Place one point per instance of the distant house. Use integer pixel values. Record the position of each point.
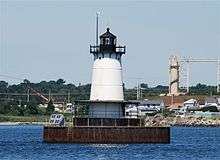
(201, 102)
(211, 101)
(131, 111)
(42, 105)
(70, 108)
(58, 110)
(144, 107)
(188, 105)
(191, 104)
(149, 106)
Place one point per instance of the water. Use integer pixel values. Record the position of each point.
(25, 142)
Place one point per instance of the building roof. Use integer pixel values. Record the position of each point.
(190, 101)
(105, 101)
(173, 101)
(211, 100)
(108, 34)
(151, 102)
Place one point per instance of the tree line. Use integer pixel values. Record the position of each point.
(14, 98)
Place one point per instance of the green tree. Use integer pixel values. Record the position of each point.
(32, 108)
(5, 107)
(3, 86)
(144, 85)
(26, 81)
(60, 82)
(50, 107)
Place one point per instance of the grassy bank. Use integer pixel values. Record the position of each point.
(38, 118)
(30, 119)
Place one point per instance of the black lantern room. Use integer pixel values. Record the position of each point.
(108, 39)
(108, 44)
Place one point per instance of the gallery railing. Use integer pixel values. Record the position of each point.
(85, 121)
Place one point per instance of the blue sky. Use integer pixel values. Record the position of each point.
(47, 40)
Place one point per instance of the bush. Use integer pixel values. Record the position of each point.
(50, 108)
(32, 108)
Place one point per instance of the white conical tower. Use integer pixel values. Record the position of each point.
(107, 84)
(107, 81)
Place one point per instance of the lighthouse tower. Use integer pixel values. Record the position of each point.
(107, 85)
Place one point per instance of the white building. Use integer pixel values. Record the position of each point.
(144, 107)
(132, 111)
(211, 101)
(191, 104)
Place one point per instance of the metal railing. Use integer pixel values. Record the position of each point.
(136, 122)
(98, 49)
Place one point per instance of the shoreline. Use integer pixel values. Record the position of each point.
(149, 121)
(199, 125)
(159, 120)
(21, 123)
(45, 123)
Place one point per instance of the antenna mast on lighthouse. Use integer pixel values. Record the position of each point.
(97, 28)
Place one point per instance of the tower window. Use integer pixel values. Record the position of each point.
(101, 41)
(107, 41)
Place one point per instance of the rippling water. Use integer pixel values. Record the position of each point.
(25, 142)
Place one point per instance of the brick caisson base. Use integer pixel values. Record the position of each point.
(105, 135)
